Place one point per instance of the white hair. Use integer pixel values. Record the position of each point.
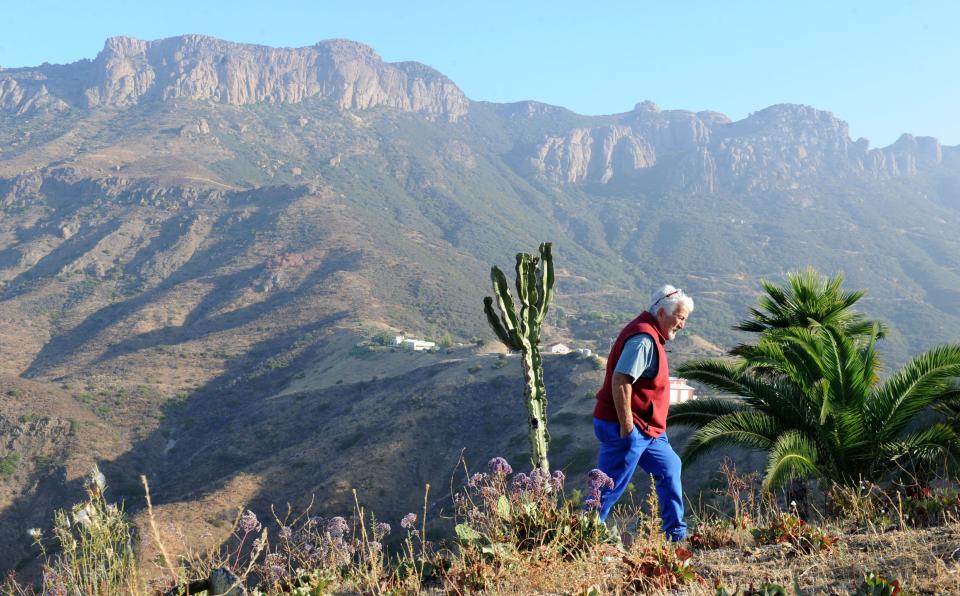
(669, 298)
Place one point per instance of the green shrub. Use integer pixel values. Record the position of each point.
(8, 465)
(930, 508)
(659, 567)
(713, 533)
(384, 338)
(84, 398)
(764, 589)
(877, 585)
(787, 528)
(503, 515)
(94, 547)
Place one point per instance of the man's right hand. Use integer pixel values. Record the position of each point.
(626, 430)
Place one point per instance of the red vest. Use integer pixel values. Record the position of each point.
(651, 397)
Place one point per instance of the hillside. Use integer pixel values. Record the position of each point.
(195, 231)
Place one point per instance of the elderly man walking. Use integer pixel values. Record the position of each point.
(630, 416)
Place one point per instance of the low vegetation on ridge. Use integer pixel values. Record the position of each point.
(528, 533)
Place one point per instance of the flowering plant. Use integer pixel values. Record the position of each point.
(505, 512)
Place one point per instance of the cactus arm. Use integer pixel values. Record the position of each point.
(546, 280)
(523, 293)
(496, 322)
(501, 292)
(532, 313)
(534, 275)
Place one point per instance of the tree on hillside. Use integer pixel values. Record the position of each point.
(811, 393)
(521, 331)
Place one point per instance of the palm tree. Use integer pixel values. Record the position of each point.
(812, 398)
(809, 298)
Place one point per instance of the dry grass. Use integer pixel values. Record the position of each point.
(924, 560)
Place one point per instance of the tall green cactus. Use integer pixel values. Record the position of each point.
(521, 331)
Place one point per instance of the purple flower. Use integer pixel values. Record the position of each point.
(498, 465)
(597, 479)
(285, 532)
(408, 522)
(277, 565)
(249, 522)
(557, 481)
(538, 481)
(337, 527)
(489, 492)
(476, 480)
(382, 529)
(520, 484)
(53, 583)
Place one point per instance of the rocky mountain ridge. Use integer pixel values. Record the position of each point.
(778, 147)
(130, 71)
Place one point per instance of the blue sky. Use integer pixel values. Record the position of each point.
(885, 67)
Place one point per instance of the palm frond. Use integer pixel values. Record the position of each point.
(948, 405)
(699, 412)
(792, 456)
(777, 397)
(808, 297)
(723, 375)
(939, 444)
(923, 381)
(753, 430)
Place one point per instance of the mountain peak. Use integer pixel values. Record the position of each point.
(131, 71)
(647, 106)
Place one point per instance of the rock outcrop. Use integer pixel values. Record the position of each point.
(130, 71)
(593, 154)
(26, 96)
(780, 147)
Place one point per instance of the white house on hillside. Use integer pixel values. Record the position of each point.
(417, 345)
(680, 391)
(559, 349)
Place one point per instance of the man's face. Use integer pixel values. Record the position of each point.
(670, 324)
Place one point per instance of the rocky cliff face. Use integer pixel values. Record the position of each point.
(27, 95)
(779, 147)
(593, 154)
(130, 71)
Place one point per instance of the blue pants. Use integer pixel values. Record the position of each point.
(619, 458)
